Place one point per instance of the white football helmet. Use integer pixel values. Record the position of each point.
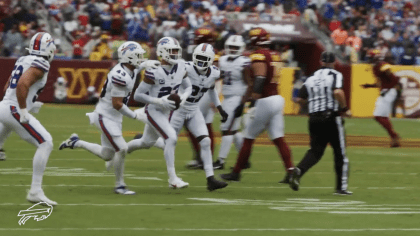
(132, 53)
(42, 44)
(203, 56)
(169, 50)
(234, 45)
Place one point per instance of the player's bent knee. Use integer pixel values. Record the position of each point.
(107, 153)
(47, 145)
(205, 142)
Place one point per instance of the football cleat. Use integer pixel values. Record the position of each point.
(213, 184)
(39, 196)
(395, 142)
(343, 192)
(195, 164)
(2, 155)
(123, 190)
(286, 179)
(69, 143)
(177, 183)
(295, 179)
(231, 176)
(218, 165)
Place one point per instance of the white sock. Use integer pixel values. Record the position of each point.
(119, 168)
(169, 153)
(238, 138)
(206, 156)
(39, 163)
(102, 152)
(225, 145)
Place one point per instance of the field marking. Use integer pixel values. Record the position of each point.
(202, 229)
(375, 212)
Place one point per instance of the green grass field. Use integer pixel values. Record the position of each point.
(385, 183)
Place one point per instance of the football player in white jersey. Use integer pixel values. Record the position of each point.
(27, 80)
(203, 77)
(154, 91)
(111, 108)
(236, 78)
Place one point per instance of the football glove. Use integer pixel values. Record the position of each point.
(24, 116)
(223, 114)
(149, 64)
(238, 110)
(141, 115)
(164, 103)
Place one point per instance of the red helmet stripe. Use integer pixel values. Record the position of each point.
(37, 43)
(204, 47)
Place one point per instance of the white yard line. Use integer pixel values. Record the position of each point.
(201, 229)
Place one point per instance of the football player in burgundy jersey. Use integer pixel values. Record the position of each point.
(267, 113)
(390, 87)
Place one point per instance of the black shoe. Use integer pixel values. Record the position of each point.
(343, 192)
(295, 179)
(138, 136)
(217, 165)
(2, 155)
(213, 184)
(286, 179)
(231, 176)
(195, 165)
(247, 166)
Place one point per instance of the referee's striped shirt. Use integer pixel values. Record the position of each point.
(319, 90)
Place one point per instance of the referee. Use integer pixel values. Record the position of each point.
(326, 103)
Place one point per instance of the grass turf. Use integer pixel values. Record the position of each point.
(385, 183)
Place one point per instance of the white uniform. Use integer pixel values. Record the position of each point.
(233, 88)
(166, 82)
(384, 104)
(189, 114)
(106, 118)
(32, 132)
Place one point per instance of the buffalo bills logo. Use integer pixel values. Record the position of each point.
(163, 41)
(130, 47)
(50, 41)
(36, 212)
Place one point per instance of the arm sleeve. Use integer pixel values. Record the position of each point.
(303, 93)
(141, 96)
(186, 85)
(338, 83)
(214, 97)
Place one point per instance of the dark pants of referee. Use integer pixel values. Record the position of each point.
(324, 128)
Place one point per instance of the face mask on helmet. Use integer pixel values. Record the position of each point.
(233, 50)
(174, 53)
(202, 62)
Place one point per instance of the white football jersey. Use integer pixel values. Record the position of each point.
(166, 82)
(232, 67)
(200, 84)
(119, 83)
(21, 65)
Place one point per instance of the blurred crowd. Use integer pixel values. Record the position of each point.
(94, 29)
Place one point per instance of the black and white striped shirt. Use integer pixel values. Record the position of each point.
(319, 90)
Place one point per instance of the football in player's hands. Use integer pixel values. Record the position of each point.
(175, 97)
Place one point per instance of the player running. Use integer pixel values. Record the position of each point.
(390, 87)
(203, 77)
(154, 91)
(111, 108)
(204, 35)
(268, 111)
(236, 78)
(27, 80)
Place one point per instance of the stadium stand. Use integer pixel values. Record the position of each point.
(93, 29)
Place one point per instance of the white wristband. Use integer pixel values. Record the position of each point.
(127, 112)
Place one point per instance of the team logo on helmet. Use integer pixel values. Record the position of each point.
(130, 47)
(163, 41)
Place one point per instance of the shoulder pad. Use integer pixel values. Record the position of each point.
(257, 57)
(150, 73)
(41, 63)
(118, 80)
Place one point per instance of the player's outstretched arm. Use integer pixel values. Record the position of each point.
(214, 97)
(118, 104)
(149, 64)
(260, 75)
(30, 77)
